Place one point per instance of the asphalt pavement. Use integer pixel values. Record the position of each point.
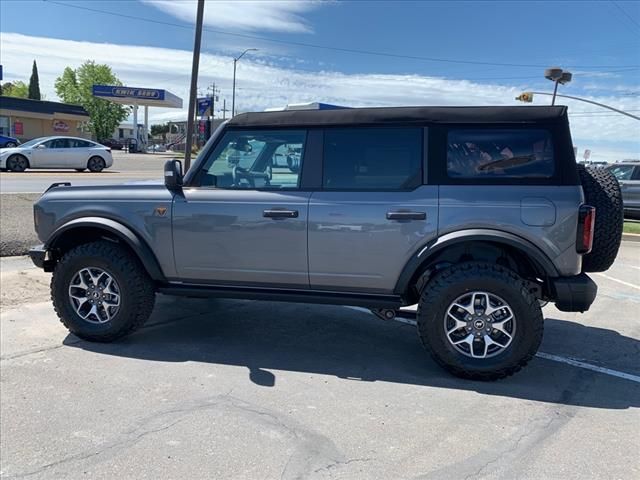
(127, 167)
(247, 390)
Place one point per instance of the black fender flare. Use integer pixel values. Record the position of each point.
(429, 250)
(120, 231)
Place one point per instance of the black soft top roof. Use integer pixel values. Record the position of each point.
(401, 115)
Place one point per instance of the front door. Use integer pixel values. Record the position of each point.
(373, 211)
(51, 154)
(243, 220)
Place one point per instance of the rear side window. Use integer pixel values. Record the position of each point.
(372, 158)
(499, 153)
(622, 172)
(75, 143)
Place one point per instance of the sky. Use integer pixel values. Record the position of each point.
(352, 53)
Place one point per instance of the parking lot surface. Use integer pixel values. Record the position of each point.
(245, 389)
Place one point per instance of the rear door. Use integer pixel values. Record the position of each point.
(373, 211)
(78, 153)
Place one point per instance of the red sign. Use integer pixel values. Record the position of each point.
(60, 126)
(18, 128)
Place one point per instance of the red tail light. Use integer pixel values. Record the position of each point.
(586, 225)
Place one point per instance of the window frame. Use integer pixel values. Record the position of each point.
(439, 139)
(195, 180)
(421, 175)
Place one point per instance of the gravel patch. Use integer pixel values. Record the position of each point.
(17, 234)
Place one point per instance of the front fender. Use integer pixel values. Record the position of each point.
(122, 232)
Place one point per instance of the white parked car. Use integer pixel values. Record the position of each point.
(57, 152)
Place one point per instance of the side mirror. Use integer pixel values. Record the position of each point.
(173, 174)
(42, 145)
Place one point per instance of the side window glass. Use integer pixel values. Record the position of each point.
(636, 174)
(259, 159)
(58, 143)
(372, 158)
(79, 144)
(499, 153)
(622, 172)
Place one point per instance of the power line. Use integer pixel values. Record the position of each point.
(327, 47)
(626, 14)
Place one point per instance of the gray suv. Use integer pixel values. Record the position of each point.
(628, 175)
(478, 215)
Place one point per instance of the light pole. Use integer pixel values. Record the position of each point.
(557, 75)
(233, 94)
(528, 98)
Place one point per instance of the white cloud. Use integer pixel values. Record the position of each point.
(273, 15)
(261, 85)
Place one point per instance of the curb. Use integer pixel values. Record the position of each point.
(630, 237)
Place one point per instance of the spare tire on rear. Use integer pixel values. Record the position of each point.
(602, 191)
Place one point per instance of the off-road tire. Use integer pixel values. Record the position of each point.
(136, 290)
(17, 163)
(454, 281)
(602, 191)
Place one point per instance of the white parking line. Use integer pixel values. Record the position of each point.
(549, 356)
(588, 366)
(622, 282)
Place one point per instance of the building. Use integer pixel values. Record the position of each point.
(124, 133)
(26, 119)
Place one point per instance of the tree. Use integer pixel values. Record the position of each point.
(34, 83)
(15, 89)
(76, 87)
(161, 129)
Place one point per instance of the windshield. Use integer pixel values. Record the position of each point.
(32, 143)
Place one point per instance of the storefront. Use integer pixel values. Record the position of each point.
(26, 119)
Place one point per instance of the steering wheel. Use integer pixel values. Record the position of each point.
(238, 174)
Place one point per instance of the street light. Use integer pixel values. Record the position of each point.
(233, 95)
(557, 75)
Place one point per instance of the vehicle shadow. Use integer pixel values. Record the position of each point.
(350, 344)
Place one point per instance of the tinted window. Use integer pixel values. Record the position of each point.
(80, 143)
(57, 143)
(499, 153)
(372, 158)
(256, 159)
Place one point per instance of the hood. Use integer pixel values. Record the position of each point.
(5, 152)
(152, 190)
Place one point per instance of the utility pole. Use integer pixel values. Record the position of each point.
(194, 84)
(214, 96)
(224, 109)
(233, 91)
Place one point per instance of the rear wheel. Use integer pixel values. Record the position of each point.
(479, 321)
(96, 164)
(101, 292)
(17, 163)
(602, 191)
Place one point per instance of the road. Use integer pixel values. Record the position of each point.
(126, 168)
(247, 389)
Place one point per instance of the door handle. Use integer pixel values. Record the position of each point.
(280, 213)
(406, 215)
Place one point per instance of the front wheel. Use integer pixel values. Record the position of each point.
(17, 163)
(101, 292)
(11, 145)
(96, 164)
(479, 321)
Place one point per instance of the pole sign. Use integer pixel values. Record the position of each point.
(587, 154)
(204, 107)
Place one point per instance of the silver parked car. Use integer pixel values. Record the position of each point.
(57, 152)
(628, 175)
